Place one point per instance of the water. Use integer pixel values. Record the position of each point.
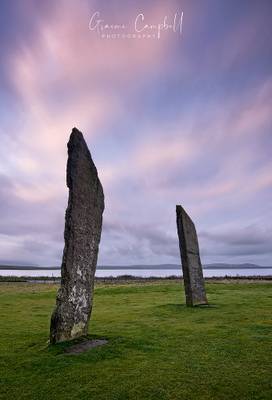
(145, 273)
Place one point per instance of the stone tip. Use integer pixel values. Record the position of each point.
(76, 134)
(76, 139)
(74, 130)
(179, 209)
(181, 213)
(77, 147)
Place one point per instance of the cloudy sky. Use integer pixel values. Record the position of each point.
(185, 119)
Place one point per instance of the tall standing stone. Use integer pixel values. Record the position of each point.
(190, 259)
(83, 224)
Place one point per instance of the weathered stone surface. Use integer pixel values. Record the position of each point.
(83, 224)
(191, 265)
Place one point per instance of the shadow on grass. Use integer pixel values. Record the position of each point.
(116, 347)
(61, 348)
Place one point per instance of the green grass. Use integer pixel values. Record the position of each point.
(158, 348)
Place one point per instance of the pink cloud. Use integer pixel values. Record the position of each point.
(55, 77)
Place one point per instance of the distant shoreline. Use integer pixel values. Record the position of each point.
(134, 279)
(138, 267)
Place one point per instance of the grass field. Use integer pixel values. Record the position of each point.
(158, 348)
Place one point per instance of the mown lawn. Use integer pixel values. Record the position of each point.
(158, 348)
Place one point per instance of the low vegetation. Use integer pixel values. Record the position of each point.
(157, 348)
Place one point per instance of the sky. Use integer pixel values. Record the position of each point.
(183, 116)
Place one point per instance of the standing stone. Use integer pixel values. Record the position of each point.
(83, 224)
(190, 259)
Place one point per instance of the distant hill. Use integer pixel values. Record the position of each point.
(234, 266)
(26, 267)
(141, 267)
(177, 266)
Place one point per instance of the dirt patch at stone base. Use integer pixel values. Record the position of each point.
(85, 346)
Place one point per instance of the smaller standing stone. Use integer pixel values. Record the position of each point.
(191, 265)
